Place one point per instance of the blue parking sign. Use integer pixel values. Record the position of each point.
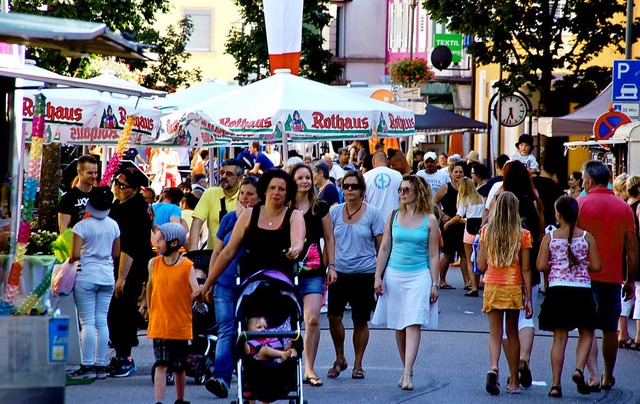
(626, 81)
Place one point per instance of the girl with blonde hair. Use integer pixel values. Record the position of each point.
(470, 208)
(503, 255)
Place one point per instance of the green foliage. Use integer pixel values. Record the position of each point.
(248, 43)
(529, 38)
(408, 72)
(133, 18)
(168, 72)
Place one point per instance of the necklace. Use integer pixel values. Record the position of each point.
(270, 220)
(174, 262)
(350, 215)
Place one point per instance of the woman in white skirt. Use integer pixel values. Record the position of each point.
(407, 270)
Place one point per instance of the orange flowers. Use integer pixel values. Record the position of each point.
(407, 72)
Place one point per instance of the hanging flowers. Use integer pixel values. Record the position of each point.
(408, 73)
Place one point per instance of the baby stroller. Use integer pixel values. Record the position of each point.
(202, 349)
(269, 294)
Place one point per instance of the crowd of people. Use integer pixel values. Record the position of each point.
(374, 232)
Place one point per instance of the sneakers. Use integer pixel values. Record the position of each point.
(123, 367)
(101, 372)
(85, 372)
(216, 387)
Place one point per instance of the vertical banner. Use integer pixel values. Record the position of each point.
(283, 19)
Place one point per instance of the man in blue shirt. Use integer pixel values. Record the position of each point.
(262, 162)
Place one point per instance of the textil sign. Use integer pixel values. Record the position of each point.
(451, 41)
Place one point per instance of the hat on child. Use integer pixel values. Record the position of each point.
(100, 201)
(526, 138)
(173, 231)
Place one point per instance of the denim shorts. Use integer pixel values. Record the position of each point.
(608, 306)
(312, 284)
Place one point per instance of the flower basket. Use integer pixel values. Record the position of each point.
(409, 73)
(40, 242)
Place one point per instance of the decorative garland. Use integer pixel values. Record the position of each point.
(121, 147)
(28, 200)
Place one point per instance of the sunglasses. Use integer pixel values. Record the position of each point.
(120, 184)
(351, 186)
(404, 190)
(227, 174)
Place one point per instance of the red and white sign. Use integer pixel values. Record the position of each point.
(283, 20)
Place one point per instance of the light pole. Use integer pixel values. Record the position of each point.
(413, 4)
(627, 38)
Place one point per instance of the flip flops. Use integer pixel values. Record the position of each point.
(314, 381)
(525, 374)
(447, 286)
(492, 385)
(607, 386)
(336, 369)
(578, 379)
(555, 392)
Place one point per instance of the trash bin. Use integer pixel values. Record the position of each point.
(33, 355)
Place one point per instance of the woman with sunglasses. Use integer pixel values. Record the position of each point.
(407, 270)
(357, 228)
(224, 293)
(313, 268)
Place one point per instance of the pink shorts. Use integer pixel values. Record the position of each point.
(468, 238)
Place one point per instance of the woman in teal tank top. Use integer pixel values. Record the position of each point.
(406, 271)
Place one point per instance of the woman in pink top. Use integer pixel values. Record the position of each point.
(568, 254)
(503, 254)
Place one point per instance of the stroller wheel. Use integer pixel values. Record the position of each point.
(200, 373)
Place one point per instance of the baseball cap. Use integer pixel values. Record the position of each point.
(430, 155)
(100, 201)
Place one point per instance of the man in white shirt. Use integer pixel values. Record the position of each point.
(335, 171)
(382, 184)
(434, 177)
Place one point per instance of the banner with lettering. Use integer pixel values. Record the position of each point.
(308, 111)
(283, 23)
(88, 117)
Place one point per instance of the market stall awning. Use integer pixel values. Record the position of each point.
(578, 123)
(71, 37)
(442, 122)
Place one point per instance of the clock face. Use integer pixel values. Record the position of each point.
(513, 110)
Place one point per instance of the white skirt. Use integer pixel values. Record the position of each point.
(405, 299)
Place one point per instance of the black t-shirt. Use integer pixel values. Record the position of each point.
(133, 219)
(130, 154)
(74, 203)
(314, 232)
(549, 192)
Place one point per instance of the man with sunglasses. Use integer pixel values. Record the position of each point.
(73, 203)
(216, 202)
(130, 211)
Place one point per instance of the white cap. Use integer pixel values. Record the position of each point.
(430, 155)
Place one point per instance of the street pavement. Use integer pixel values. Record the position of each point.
(450, 368)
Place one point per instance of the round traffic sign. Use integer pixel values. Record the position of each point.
(606, 125)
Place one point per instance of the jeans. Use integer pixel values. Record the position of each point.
(92, 302)
(223, 300)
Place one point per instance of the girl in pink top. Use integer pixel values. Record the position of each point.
(503, 252)
(568, 254)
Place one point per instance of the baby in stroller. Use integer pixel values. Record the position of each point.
(268, 348)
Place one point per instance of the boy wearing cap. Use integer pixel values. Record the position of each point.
(525, 147)
(95, 243)
(434, 177)
(172, 281)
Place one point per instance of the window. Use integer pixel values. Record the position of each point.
(200, 40)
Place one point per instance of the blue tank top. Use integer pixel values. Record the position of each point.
(409, 250)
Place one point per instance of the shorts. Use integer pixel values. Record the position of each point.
(171, 353)
(608, 307)
(627, 307)
(355, 289)
(636, 307)
(522, 321)
(469, 238)
(452, 240)
(310, 285)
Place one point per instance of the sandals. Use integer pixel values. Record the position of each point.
(525, 374)
(407, 381)
(313, 381)
(336, 369)
(447, 286)
(578, 379)
(492, 386)
(358, 373)
(629, 344)
(607, 387)
(594, 388)
(555, 392)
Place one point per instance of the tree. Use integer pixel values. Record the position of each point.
(532, 39)
(248, 43)
(126, 16)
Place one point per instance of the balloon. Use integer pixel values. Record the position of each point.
(24, 232)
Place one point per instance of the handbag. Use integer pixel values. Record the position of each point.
(474, 255)
(63, 278)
